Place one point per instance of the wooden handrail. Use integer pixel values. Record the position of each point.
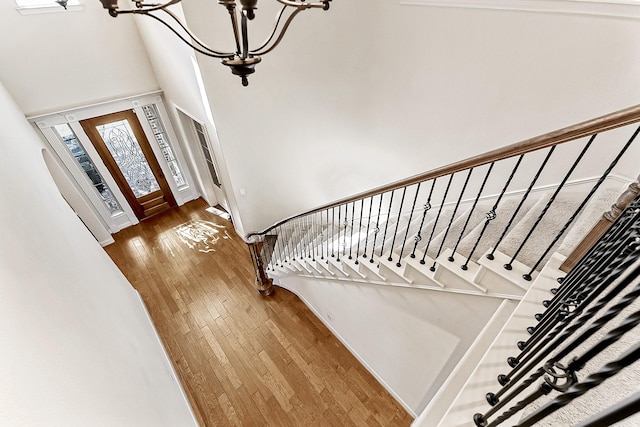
(590, 127)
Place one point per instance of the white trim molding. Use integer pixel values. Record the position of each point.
(616, 8)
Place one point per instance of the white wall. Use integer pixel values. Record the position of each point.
(410, 339)
(54, 61)
(372, 92)
(179, 76)
(77, 345)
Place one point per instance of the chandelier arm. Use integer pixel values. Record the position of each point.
(275, 29)
(193, 36)
(302, 6)
(198, 49)
(280, 36)
(150, 7)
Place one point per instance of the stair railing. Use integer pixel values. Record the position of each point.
(580, 323)
(389, 224)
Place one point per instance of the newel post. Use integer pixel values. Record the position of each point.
(602, 226)
(263, 283)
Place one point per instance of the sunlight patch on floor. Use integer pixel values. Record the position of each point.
(201, 235)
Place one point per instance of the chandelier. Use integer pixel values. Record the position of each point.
(243, 60)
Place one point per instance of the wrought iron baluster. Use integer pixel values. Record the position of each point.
(366, 240)
(584, 202)
(473, 208)
(395, 233)
(453, 217)
(386, 226)
(630, 275)
(609, 370)
(427, 208)
(333, 234)
(551, 342)
(359, 229)
(509, 265)
(406, 234)
(322, 233)
(578, 286)
(376, 231)
(595, 258)
(346, 225)
(615, 413)
(353, 214)
(435, 222)
(491, 215)
(522, 200)
(339, 227)
(314, 237)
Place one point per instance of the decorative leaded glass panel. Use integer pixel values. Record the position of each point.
(73, 145)
(125, 150)
(202, 138)
(151, 113)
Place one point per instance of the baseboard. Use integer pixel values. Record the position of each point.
(174, 374)
(107, 241)
(353, 351)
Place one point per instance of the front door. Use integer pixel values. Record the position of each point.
(125, 151)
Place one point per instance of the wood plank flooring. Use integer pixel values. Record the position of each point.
(244, 360)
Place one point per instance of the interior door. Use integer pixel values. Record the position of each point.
(125, 150)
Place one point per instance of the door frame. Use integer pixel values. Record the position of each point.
(115, 221)
(136, 203)
(198, 161)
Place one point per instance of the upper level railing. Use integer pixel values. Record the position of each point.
(586, 327)
(421, 216)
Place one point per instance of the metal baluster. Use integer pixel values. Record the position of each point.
(338, 241)
(333, 234)
(270, 250)
(509, 266)
(346, 225)
(406, 234)
(524, 198)
(551, 342)
(386, 226)
(427, 208)
(473, 207)
(359, 229)
(353, 214)
(584, 202)
(578, 283)
(602, 280)
(615, 413)
(395, 233)
(292, 239)
(314, 234)
(435, 223)
(609, 370)
(453, 217)
(376, 231)
(305, 235)
(283, 246)
(491, 215)
(494, 399)
(366, 241)
(322, 231)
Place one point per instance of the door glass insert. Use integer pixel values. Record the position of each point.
(202, 138)
(77, 150)
(151, 113)
(125, 149)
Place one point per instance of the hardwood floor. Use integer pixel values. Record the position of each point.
(243, 359)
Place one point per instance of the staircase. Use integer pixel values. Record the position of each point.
(493, 227)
